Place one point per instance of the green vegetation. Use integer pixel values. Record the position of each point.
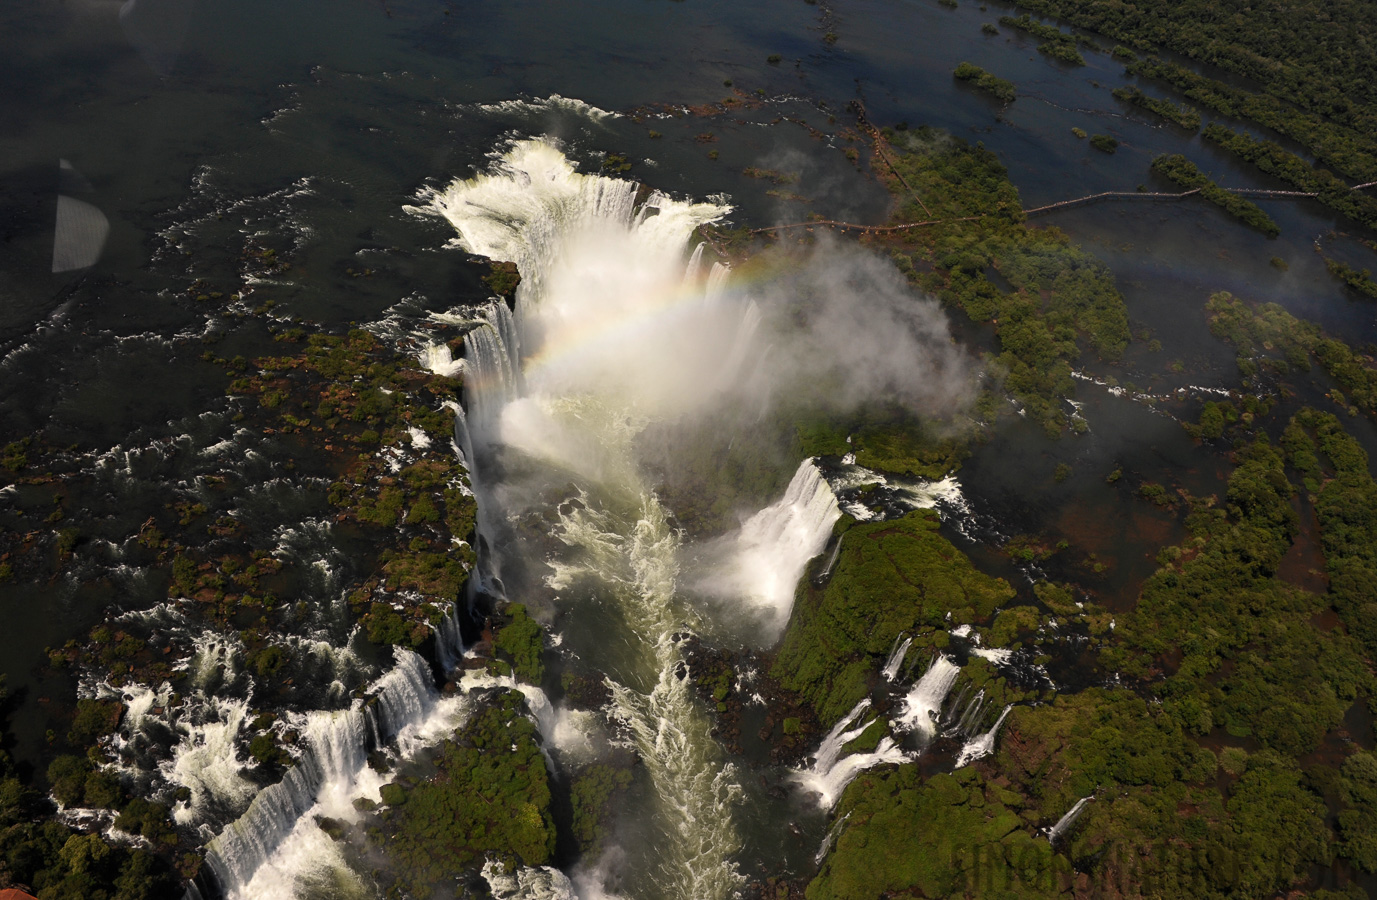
(1287, 682)
(1272, 159)
(968, 833)
(593, 793)
(58, 863)
(1184, 172)
(1335, 471)
(502, 277)
(490, 795)
(521, 640)
(1322, 64)
(1218, 646)
(992, 84)
(1271, 333)
(1104, 143)
(1222, 646)
(1184, 116)
(1055, 42)
(891, 577)
(885, 440)
(1053, 301)
(1360, 280)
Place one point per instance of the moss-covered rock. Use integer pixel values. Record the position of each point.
(951, 836)
(522, 641)
(490, 795)
(890, 577)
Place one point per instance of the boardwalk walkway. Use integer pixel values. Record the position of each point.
(1039, 210)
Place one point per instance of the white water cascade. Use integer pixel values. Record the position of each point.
(764, 561)
(611, 330)
(271, 846)
(896, 658)
(981, 746)
(492, 367)
(1066, 821)
(439, 359)
(923, 703)
(831, 772)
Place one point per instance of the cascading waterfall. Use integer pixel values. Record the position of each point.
(1066, 821)
(982, 746)
(896, 658)
(831, 772)
(614, 329)
(923, 703)
(830, 839)
(970, 719)
(334, 767)
(765, 560)
(438, 358)
(492, 376)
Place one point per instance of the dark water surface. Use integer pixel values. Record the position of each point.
(207, 132)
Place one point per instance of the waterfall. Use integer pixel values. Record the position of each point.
(923, 703)
(694, 264)
(463, 441)
(608, 333)
(449, 640)
(841, 734)
(492, 380)
(984, 744)
(896, 658)
(832, 834)
(970, 719)
(821, 578)
(751, 317)
(1069, 819)
(335, 762)
(831, 772)
(764, 560)
(437, 358)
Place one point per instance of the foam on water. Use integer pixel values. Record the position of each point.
(552, 103)
(208, 764)
(439, 359)
(526, 883)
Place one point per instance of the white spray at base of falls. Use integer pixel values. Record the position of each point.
(612, 333)
(762, 563)
(695, 788)
(923, 703)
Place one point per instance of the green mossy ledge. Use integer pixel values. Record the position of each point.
(522, 642)
(490, 796)
(890, 577)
